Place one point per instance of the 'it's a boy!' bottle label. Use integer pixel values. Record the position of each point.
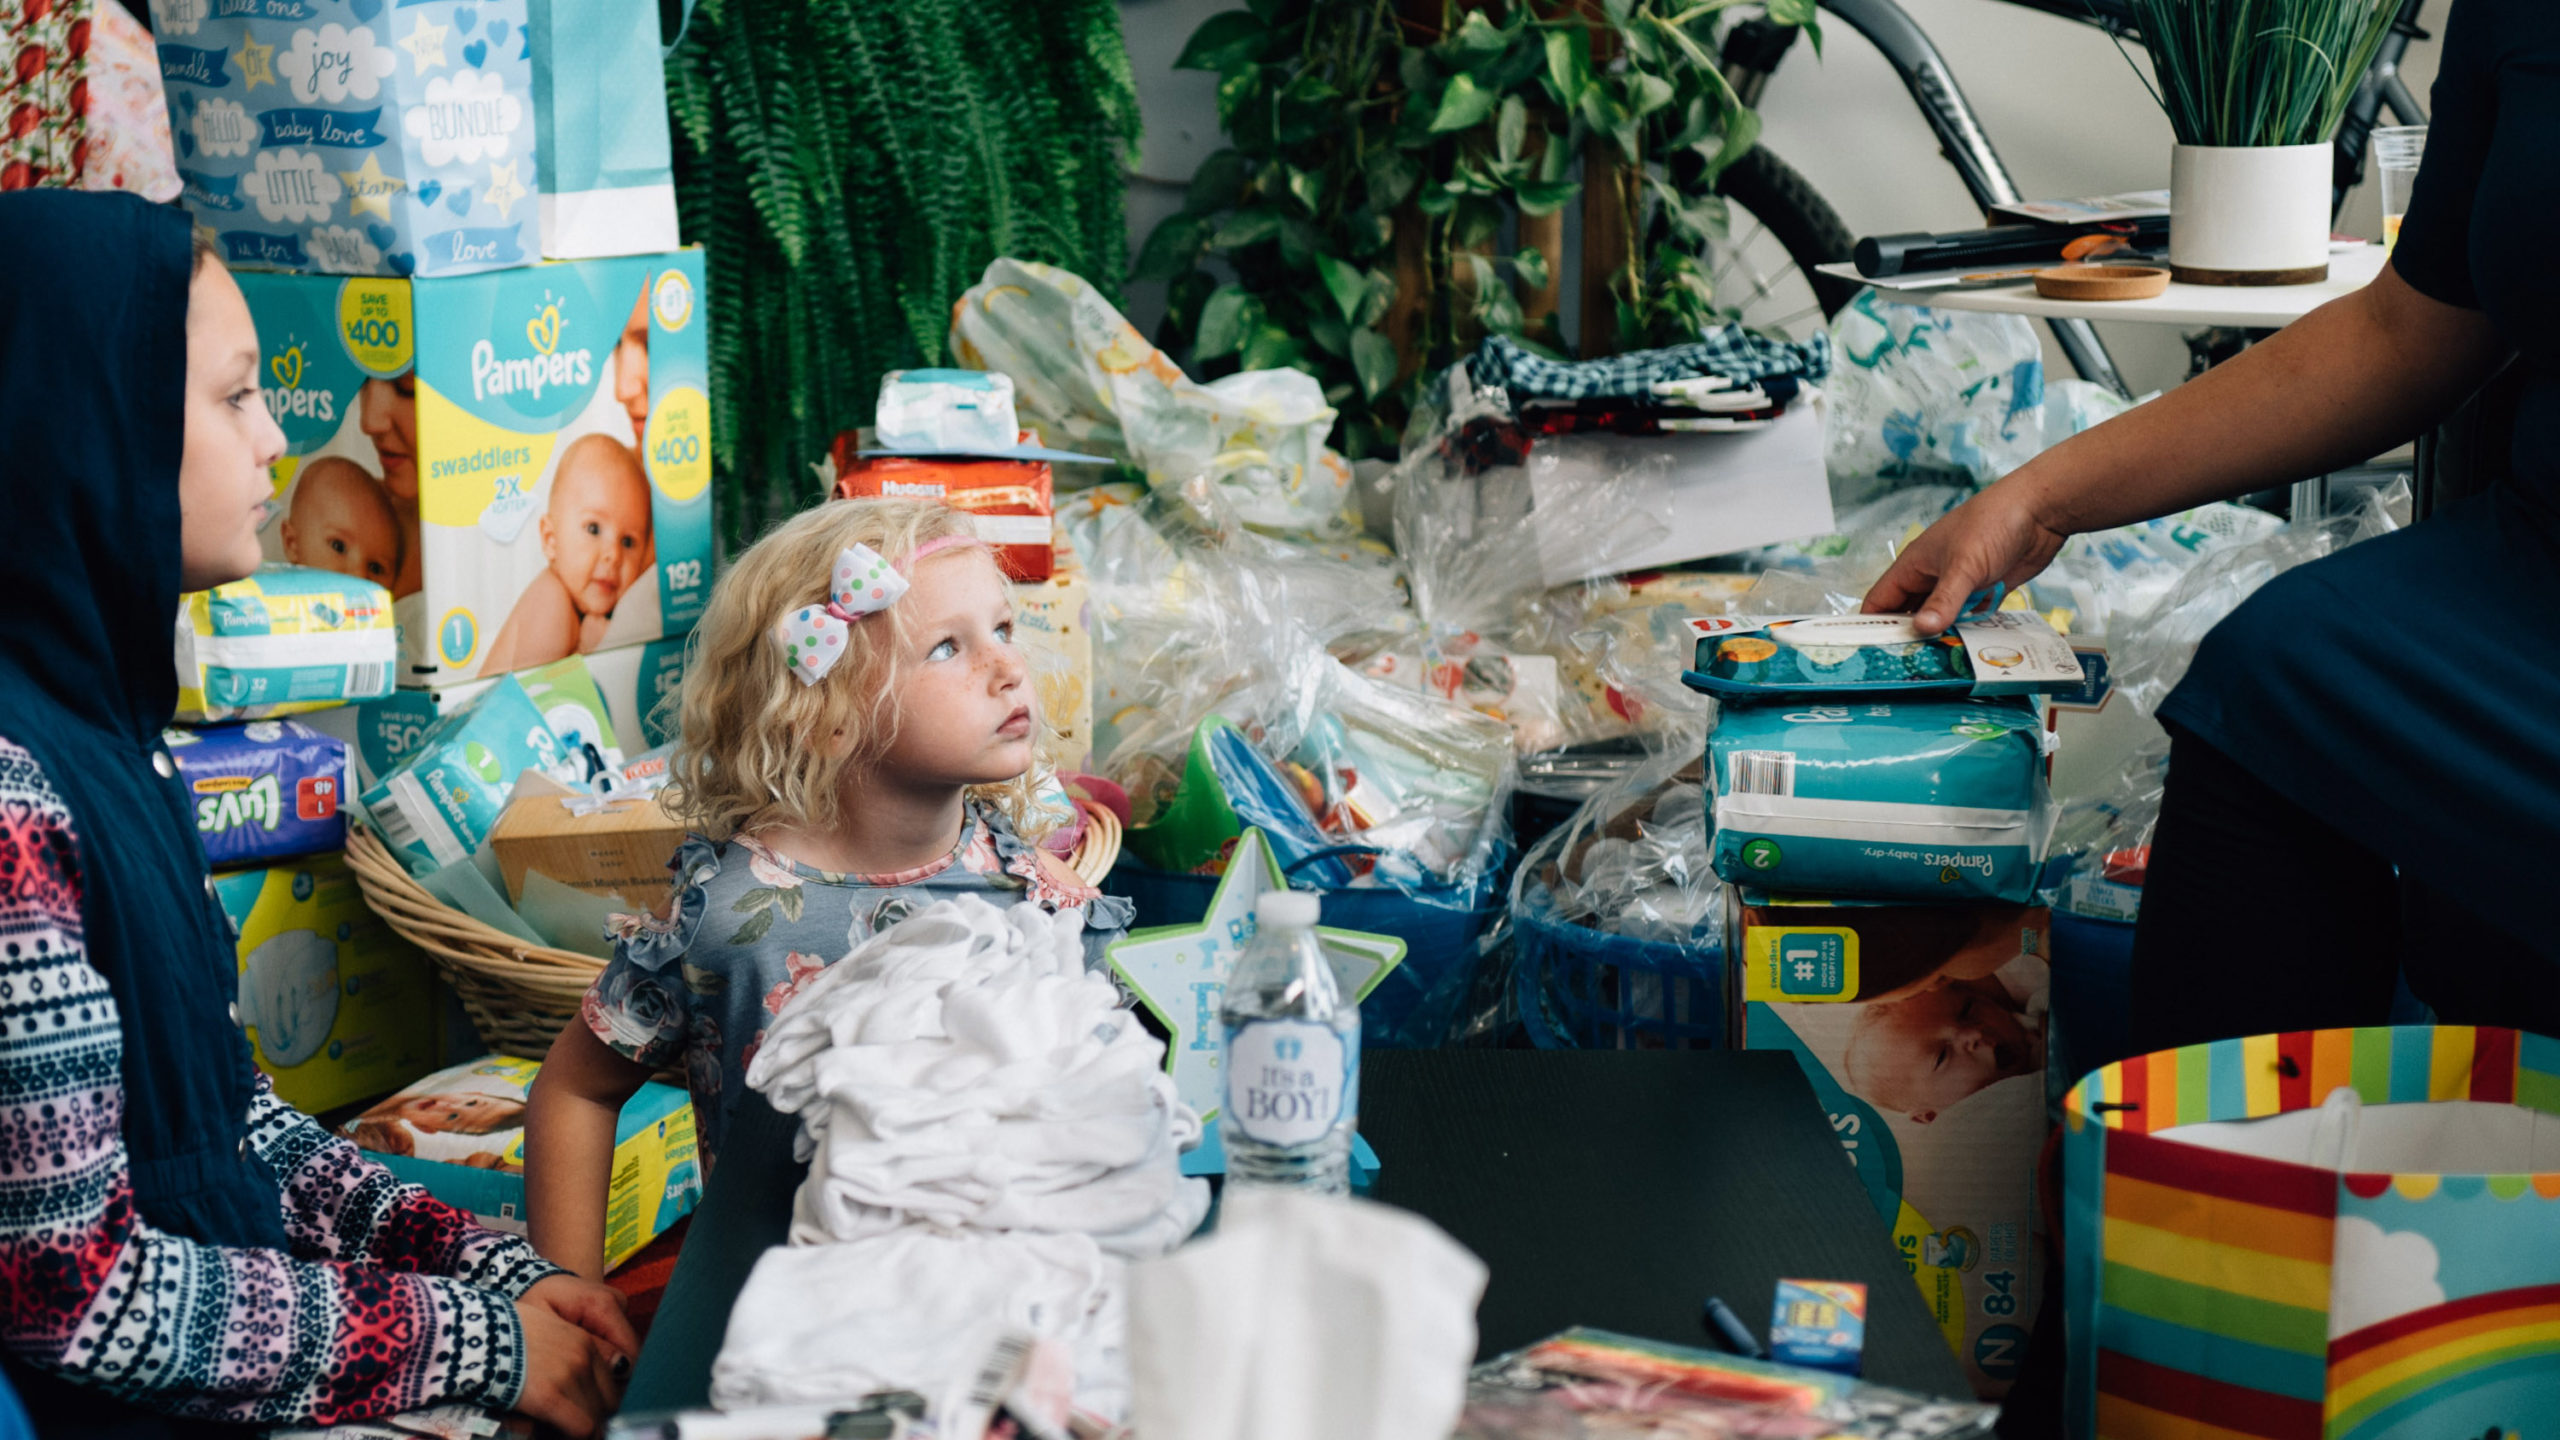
(1286, 1081)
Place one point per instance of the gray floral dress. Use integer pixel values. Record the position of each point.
(746, 926)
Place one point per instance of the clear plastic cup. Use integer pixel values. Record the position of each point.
(2396, 152)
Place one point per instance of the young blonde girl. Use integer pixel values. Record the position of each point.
(858, 734)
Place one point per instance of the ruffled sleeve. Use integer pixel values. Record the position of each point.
(1049, 882)
(639, 1006)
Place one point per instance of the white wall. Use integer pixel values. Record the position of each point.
(2066, 112)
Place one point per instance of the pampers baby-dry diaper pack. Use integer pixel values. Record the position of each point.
(264, 791)
(2004, 652)
(1924, 799)
(340, 1008)
(523, 457)
(436, 806)
(355, 137)
(287, 639)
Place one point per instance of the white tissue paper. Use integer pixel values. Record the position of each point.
(916, 1310)
(1304, 1316)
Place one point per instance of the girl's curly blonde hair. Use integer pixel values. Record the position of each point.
(756, 745)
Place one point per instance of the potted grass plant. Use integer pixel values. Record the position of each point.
(2254, 90)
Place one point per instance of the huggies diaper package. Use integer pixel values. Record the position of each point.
(355, 137)
(1923, 799)
(2005, 652)
(523, 458)
(264, 791)
(460, 1133)
(285, 640)
(635, 684)
(435, 806)
(1922, 1029)
(339, 1007)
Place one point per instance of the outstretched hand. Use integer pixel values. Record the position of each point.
(1992, 538)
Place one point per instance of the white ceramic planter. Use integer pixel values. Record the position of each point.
(2249, 215)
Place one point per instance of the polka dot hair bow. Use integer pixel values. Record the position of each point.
(813, 638)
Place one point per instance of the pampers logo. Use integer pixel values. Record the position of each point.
(286, 399)
(547, 366)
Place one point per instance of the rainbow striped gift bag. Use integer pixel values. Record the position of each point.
(2320, 1235)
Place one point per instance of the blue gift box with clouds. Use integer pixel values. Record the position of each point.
(355, 137)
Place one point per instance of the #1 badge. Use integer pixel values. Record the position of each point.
(522, 458)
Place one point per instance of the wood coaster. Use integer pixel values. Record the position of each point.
(2101, 282)
(2306, 275)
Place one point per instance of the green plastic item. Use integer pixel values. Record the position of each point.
(1198, 824)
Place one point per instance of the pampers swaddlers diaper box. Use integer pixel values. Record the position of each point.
(355, 137)
(1932, 800)
(340, 1008)
(526, 454)
(1922, 1029)
(460, 1133)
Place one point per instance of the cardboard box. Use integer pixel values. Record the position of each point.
(618, 848)
(339, 1008)
(1049, 624)
(637, 684)
(1922, 1030)
(352, 137)
(525, 455)
(460, 1133)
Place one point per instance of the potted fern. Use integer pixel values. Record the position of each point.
(2254, 90)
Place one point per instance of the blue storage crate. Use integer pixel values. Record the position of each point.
(1415, 1003)
(1586, 989)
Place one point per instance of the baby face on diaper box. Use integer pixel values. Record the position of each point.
(355, 137)
(522, 457)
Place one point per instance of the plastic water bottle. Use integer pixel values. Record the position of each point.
(1293, 1056)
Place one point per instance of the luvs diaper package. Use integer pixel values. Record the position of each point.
(1922, 1029)
(355, 137)
(339, 1007)
(286, 639)
(436, 806)
(264, 790)
(2005, 652)
(526, 455)
(1924, 799)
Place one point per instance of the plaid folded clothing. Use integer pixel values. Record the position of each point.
(1739, 355)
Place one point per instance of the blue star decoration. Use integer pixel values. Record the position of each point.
(1179, 972)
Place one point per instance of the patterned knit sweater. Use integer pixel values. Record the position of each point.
(389, 1300)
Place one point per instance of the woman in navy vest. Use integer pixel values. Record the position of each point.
(180, 1252)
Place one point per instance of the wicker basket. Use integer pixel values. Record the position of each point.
(519, 996)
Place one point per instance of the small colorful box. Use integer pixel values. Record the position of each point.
(355, 137)
(437, 804)
(1820, 1323)
(460, 1133)
(338, 1006)
(636, 683)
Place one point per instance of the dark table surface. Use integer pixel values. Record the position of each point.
(1616, 1189)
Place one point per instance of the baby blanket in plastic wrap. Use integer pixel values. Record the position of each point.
(286, 639)
(1904, 800)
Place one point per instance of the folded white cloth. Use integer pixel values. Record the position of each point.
(989, 1133)
(962, 1069)
(915, 1310)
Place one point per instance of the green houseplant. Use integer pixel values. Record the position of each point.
(851, 166)
(1392, 188)
(2254, 90)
